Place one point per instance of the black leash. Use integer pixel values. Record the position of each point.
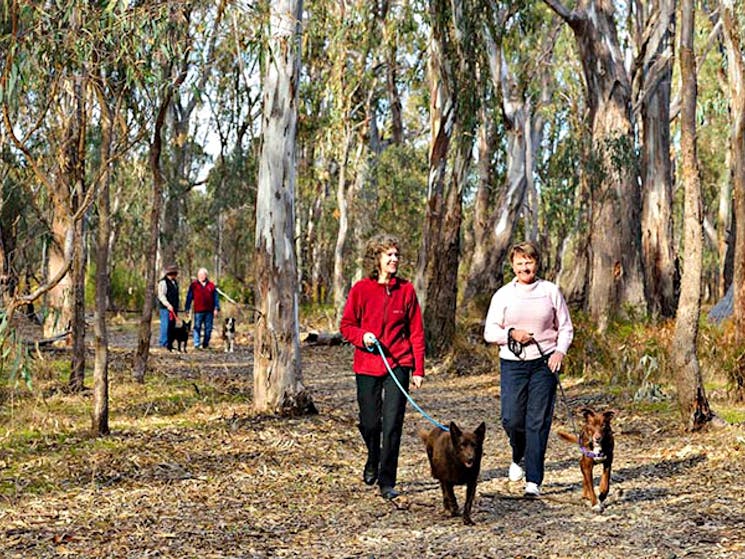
(517, 348)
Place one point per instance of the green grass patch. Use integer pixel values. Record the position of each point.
(730, 413)
(663, 407)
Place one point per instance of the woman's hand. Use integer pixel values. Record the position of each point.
(554, 362)
(522, 336)
(368, 338)
(416, 382)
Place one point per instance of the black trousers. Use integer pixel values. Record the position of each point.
(382, 407)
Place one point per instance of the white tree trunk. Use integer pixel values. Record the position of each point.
(736, 75)
(494, 226)
(278, 387)
(342, 202)
(60, 297)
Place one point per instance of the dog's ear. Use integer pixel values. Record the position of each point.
(481, 431)
(423, 434)
(608, 415)
(587, 412)
(455, 433)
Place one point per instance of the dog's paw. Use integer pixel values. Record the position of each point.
(467, 521)
(599, 507)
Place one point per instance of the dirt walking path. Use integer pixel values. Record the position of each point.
(210, 480)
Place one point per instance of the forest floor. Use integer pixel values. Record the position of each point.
(190, 471)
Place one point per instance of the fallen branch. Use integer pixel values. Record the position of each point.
(321, 338)
(46, 341)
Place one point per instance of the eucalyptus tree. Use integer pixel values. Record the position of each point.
(611, 249)
(352, 92)
(41, 115)
(168, 73)
(345, 132)
(521, 81)
(116, 55)
(315, 164)
(733, 19)
(359, 137)
(455, 28)
(692, 401)
(277, 374)
(47, 116)
(204, 35)
(233, 96)
(654, 34)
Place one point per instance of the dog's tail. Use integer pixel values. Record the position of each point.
(567, 437)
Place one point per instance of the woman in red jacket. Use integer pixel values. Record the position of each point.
(383, 307)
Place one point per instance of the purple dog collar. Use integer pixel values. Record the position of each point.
(598, 456)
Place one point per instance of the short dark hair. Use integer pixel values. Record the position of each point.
(376, 246)
(527, 249)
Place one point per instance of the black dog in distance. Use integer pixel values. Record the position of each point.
(179, 333)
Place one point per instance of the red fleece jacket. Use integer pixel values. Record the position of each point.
(391, 312)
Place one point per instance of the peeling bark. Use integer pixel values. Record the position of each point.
(692, 402)
(654, 84)
(452, 120)
(736, 75)
(614, 252)
(278, 386)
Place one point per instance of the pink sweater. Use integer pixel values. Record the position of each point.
(538, 308)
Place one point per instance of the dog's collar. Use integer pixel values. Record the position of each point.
(597, 456)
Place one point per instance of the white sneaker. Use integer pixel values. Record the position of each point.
(532, 489)
(516, 472)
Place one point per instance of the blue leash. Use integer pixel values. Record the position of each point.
(408, 397)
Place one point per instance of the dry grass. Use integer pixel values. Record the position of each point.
(191, 471)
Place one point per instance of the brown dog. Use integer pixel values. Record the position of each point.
(455, 459)
(596, 443)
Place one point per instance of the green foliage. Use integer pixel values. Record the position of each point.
(126, 288)
(14, 358)
(401, 176)
(722, 356)
(560, 183)
(628, 354)
(732, 415)
(238, 290)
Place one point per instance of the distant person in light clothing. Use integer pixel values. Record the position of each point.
(529, 319)
(203, 293)
(168, 302)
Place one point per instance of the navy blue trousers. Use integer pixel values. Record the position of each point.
(382, 407)
(528, 395)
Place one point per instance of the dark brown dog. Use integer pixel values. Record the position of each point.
(455, 459)
(596, 443)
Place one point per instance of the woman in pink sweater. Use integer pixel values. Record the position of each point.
(529, 319)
